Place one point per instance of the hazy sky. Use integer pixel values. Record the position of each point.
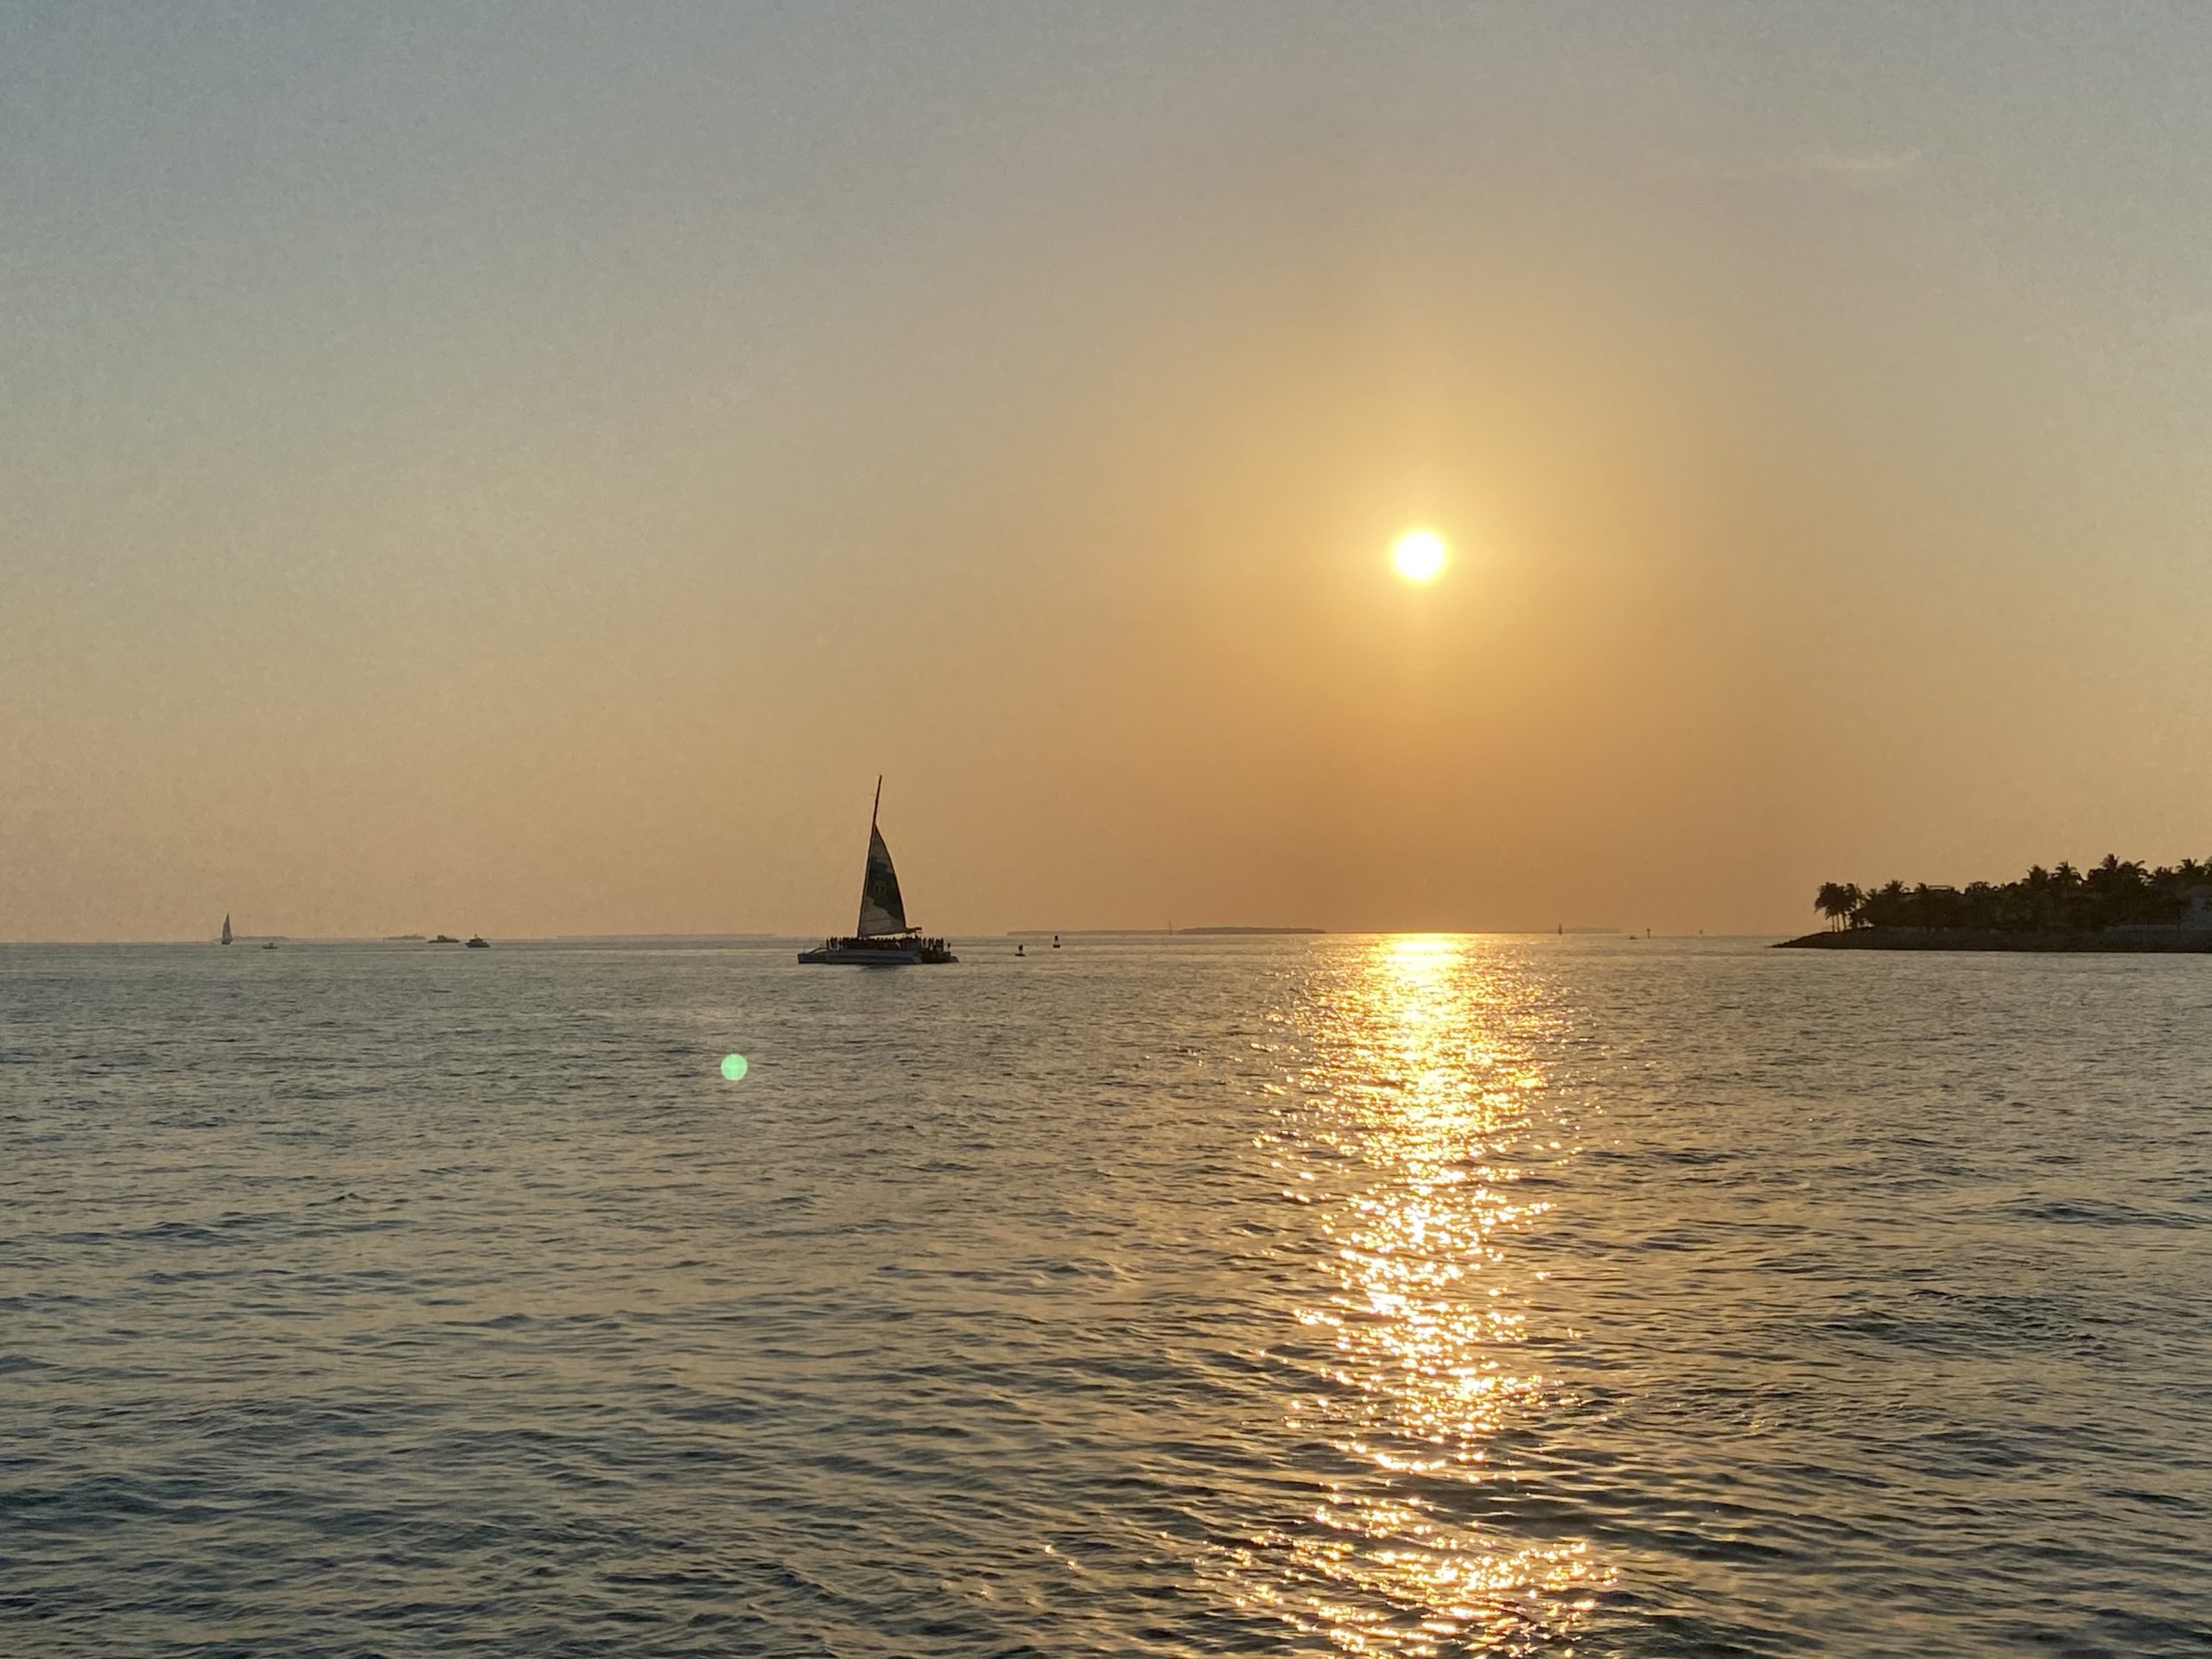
(528, 468)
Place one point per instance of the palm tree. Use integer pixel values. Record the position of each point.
(2066, 889)
(1834, 901)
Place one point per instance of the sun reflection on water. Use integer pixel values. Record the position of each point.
(1407, 1130)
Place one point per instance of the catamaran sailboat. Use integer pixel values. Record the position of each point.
(883, 938)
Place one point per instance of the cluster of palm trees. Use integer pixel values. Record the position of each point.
(2116, 894)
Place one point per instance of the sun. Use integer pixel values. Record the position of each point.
(1419, 555)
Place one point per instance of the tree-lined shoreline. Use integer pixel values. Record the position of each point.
(2118, 904)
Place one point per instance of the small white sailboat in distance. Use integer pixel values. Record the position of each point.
(883, 939)
(226, 928)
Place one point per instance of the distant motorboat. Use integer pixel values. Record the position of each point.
(883, 939)
(479, 942)
(269, 945)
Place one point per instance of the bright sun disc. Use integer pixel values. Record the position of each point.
(1419, 555)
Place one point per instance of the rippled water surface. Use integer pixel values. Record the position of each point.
(1399, 1296)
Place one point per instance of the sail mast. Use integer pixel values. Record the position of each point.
(882, 911)
(867, 870)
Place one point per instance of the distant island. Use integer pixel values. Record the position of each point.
(1153, 932)
(1238, 932)
(2115, 905)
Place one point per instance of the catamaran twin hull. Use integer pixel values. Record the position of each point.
(883, 939)
(880, 953)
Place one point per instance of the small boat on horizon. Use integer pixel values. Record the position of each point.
(479, 943)
(226, 939)
(884, 938)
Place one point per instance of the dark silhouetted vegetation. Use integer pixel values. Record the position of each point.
(2116, 894)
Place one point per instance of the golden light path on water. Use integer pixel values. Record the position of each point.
(1402, 1135)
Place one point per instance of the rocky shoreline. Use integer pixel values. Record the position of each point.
(2158, 940)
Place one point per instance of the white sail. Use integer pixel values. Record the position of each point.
(882, 911)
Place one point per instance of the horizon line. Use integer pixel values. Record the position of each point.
(1022, 933)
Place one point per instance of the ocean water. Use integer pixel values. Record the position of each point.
(1394, 1296)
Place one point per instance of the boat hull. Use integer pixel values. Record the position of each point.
(880, 953)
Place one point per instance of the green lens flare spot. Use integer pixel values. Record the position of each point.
(733, 1066)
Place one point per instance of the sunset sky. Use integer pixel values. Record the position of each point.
(528, 468)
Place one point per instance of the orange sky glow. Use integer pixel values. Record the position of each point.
(532, 481)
